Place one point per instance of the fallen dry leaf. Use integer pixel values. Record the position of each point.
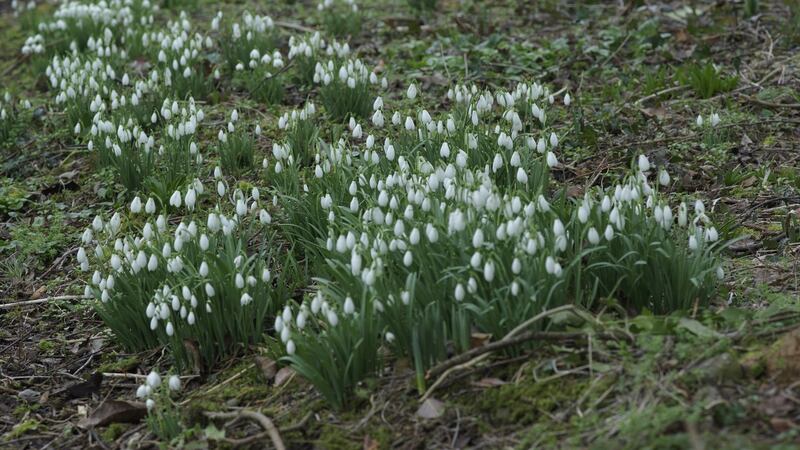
(488, 382)
(431, 409)
(283, 375)
(268, 367)
(39, 293)
(114, 411)
(783, 359)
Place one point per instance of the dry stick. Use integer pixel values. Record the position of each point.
(771, 104)
(294, 26)
(237, 443)
(527, 336)
(214, 388)
(41, 300)
(263, 420)
(450, 368)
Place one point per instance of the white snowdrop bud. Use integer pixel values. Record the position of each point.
(290, 347)
(408, 258)
(477, 238)
(593, 236)
(333, 319)
(412, 91)
(150, 404)
(153, 379)
(663, 177)
(209, 290)
(567, 99)
(150, 206)
(349, 306)
(552, 161)
(522, 176)
(609, 233)
(553, 140)
(699, 121)
(444, 152)
(175, 199)
(459, 292)
(692, 242)
(174, 383)
(644, 163)
(715, 119)
(488, 271)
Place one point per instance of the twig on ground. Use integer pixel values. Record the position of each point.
(256, 416)
(41, 300)
(482, 353)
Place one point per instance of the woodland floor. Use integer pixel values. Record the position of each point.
(726, 377)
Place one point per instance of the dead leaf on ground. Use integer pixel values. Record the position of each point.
(114, 411)
(39, 293)
(657, 112)
(268, 367)
(488, 382)
(431, 409)
(479, 339)
(283, 375)
(782, 425)
(783, 359)
(370, 444)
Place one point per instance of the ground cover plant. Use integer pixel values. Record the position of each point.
(403, 224)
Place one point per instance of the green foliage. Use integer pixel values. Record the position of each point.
(706, 80)
(196, 290)
(340, 18)
(236, 151)
(423, 6)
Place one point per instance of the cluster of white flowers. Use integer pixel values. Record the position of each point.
(351, 72)
(314, 45)
(713, 119)
(152, 382)
(463, 197)
(186, 266)
(328, 4)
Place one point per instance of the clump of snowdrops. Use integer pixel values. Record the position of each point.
(238, 40)
(163, 416)
(346, 88)
(236, 147)
(340, 17)
(306, 51)
(301, 132)
(451, 226)
(13, 117)
(192, 282)
(261, 77)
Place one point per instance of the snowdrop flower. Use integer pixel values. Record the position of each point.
(488, 271)
(699, 121)
(153, 379)
(175, 199)
(593, 236)
(609, 233)
(692, 242)
(552, 161)
(644, 164)
(715, 119)
(174, 383)
(663, 177)
(150, 206)
(412, 91)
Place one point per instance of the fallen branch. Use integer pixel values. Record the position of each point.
(524, 337)
(294, 26)
(508, 337)
(41, 300)
(256, 416)
(771, 104)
